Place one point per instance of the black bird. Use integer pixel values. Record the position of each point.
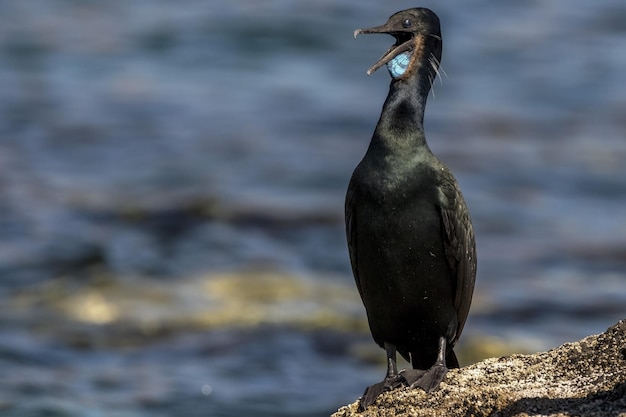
(409, 231)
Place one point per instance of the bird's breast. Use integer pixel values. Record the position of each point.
(392, 183)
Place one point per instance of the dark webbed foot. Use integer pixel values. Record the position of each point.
(372, 392)
(412, 375)
(392, 380)
(427, 380)
(430, 379)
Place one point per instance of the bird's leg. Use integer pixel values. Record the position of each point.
(392, 379)
(429, 380)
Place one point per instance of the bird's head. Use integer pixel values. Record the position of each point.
(418, 36)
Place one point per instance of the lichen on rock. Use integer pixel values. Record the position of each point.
(584, 378)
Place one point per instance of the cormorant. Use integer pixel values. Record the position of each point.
(409, 232)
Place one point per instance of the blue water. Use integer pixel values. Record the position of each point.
(172, 177)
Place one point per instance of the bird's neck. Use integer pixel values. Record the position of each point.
(400, 128)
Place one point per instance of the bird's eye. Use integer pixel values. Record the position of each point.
(406, 23)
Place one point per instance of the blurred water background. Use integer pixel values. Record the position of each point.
(172, 177)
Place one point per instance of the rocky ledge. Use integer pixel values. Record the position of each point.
(584, 378)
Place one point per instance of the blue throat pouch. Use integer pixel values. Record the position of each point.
(399, 64)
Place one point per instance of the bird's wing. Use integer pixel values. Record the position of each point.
(350, 212)
(460, 248)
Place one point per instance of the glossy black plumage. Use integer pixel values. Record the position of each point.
(409, 232)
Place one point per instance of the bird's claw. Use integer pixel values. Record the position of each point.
(372, 392)
(427, 380)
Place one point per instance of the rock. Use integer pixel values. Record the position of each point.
(584, 378)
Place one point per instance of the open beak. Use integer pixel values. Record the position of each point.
(396, 49)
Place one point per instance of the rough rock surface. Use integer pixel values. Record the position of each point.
(584, 378)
